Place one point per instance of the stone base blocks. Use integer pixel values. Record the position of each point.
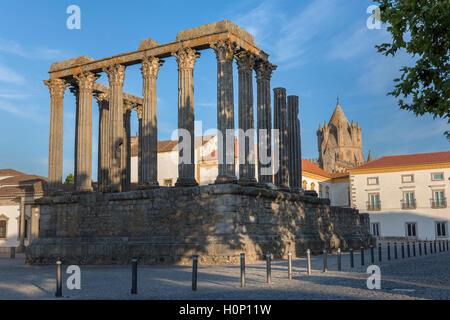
(169, 225)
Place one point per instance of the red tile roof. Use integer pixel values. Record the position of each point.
(405, 160)
(9, 172)
(310, 167)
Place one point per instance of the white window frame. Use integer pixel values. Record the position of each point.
(416, 229)
(373, 184)
(445, 228)
(408, 175)
(378, 229)
(433, 179)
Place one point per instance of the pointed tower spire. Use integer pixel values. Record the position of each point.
(338, 116)
(369, 157)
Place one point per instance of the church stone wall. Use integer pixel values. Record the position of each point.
(169, 225)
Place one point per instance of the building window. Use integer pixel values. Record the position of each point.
(411, 229)
(305, 184)
(437, 176)
(439, 200)
(375, 229)
(372, 181)
(320, 191)
(441, 229)
(313, 186)
(167, 182)
(327, 190)
(3, 228)
(407, 178)
(374, 203)
(409, 201)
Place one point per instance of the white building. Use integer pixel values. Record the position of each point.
(19, 224)
(406, 196)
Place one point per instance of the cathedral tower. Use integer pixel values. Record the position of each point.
(340, 143)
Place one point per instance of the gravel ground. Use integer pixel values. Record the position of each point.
(422, 277)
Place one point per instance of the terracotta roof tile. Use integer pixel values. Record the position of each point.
(405, 160)
(308, 166)
(9, 172)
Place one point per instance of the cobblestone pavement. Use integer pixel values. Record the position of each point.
(420, 277)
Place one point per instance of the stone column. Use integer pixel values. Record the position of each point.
(139, 114)
(103, 141)
(22, 225)
(149, 160)
(57, 87)
(186, 168)
(295, 151)
(126, 151)
(245, 61)
(280, 124)
(86, 81)
(76, 93)
(225, 111)
(264, 71)
(116, 76)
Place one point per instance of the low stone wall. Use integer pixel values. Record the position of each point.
(169, 225)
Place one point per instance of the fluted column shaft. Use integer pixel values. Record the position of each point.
(126, 151)
(295, 152)
(225, 111)
(245, 61)
(264, 71)
(140, 178)
(186, 169)
(149, 159)
(103, 141)
(116, 76)
(280, 124)
(57, 88)
(83, 181)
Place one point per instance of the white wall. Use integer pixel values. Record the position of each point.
(392, 217)
(13, 214)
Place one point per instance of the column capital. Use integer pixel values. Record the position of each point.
(57, 87)
(224, 50)
(150, 66)
(128, 106)
(139, 110)
(86, 81)
(101, 97)
(186, 58)
(116, 74)
(245, 61)
(264, 70)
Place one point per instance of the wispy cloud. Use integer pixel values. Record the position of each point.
(23, 111)
(8, 75)
(292, 35)
(14, 48)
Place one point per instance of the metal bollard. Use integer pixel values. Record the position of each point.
(58, 293)
(269, 268)
(389, 251)
(308, 258)
(290, 265)
(395, 251)
(434, 246)
(431, 247)
(447, 245)
(325, 266)
(194, 272)
(372, 255)
(420, 248)
(440, 249)
(425, 248)
(379, 253)
(339, 259)
(414, 249)
(408, 250)
(352, 259)
(134, 276)
(242, 270)
(13, 253)
(403, 250)
(362, 256)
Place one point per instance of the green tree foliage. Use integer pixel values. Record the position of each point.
(70, 179)
(422, 28)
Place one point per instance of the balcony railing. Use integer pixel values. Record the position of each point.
(408, 204)
(373, 206)
(438, 203)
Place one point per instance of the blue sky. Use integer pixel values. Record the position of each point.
(322, 48)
